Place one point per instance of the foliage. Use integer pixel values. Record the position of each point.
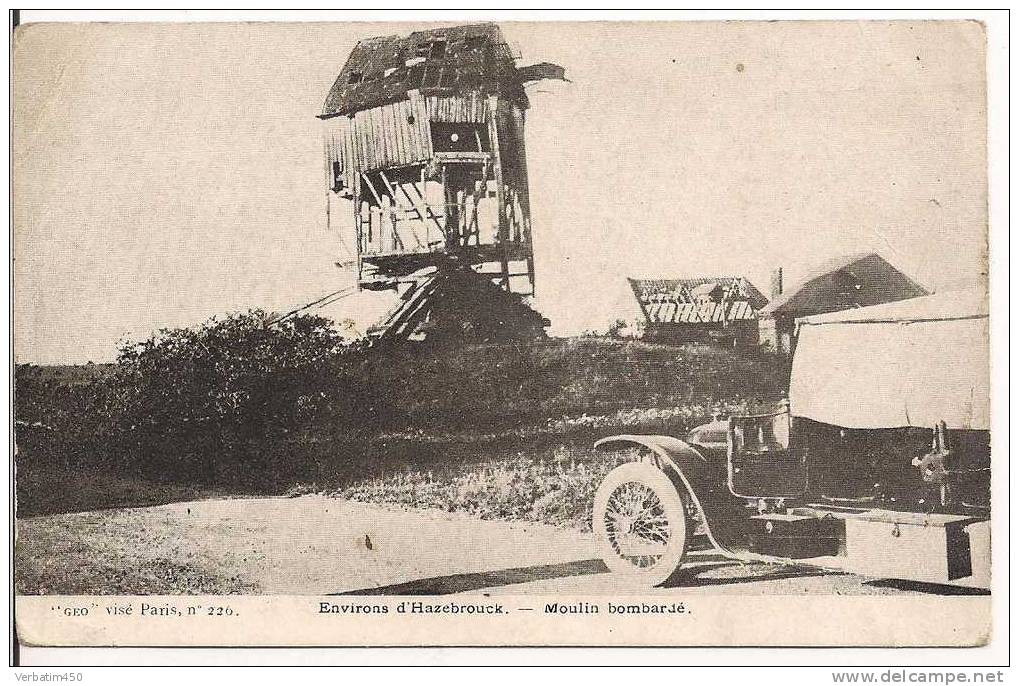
(218, 402)
(213, 404)
(503, 386)
(236, 406)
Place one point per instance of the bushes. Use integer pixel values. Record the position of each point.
(59, 421)
(219, 403)
(239, 406)
(213, 404)
(499, 387)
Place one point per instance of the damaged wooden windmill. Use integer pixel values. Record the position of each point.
(424, 148)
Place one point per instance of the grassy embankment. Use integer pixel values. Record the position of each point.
(546, 469)
(500, 432)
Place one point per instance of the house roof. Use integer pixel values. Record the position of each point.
(473, 57)
(846, 282)
(705, 289)
(699, 313)
(649, 291)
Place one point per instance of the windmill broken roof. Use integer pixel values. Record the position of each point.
(846, 282)
(474, 57)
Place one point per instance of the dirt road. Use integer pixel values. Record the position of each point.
(315, 545)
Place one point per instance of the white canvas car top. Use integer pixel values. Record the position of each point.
(908, 363)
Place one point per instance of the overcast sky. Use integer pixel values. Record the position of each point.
(164, 174)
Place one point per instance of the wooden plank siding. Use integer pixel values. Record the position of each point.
(458, 109)
(396, 134)
(380, 138)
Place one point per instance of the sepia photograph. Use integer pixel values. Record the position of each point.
(502, 333)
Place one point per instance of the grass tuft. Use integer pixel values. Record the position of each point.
(556, 489)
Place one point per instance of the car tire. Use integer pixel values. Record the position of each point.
(631, 548)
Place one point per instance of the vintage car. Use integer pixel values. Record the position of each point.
(877, 464)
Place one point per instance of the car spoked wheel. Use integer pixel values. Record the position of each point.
(636, 524)
(640, 520)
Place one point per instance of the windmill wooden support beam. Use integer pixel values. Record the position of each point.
(458, 304)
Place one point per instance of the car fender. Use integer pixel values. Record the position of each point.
(702, 480)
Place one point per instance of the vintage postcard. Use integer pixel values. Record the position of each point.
(501, 333)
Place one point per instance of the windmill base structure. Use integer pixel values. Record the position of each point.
(425, 158)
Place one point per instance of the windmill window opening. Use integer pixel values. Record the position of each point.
(338, 183)
(450, 137)
(355, 77)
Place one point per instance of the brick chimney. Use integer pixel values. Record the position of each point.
(776, 282)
